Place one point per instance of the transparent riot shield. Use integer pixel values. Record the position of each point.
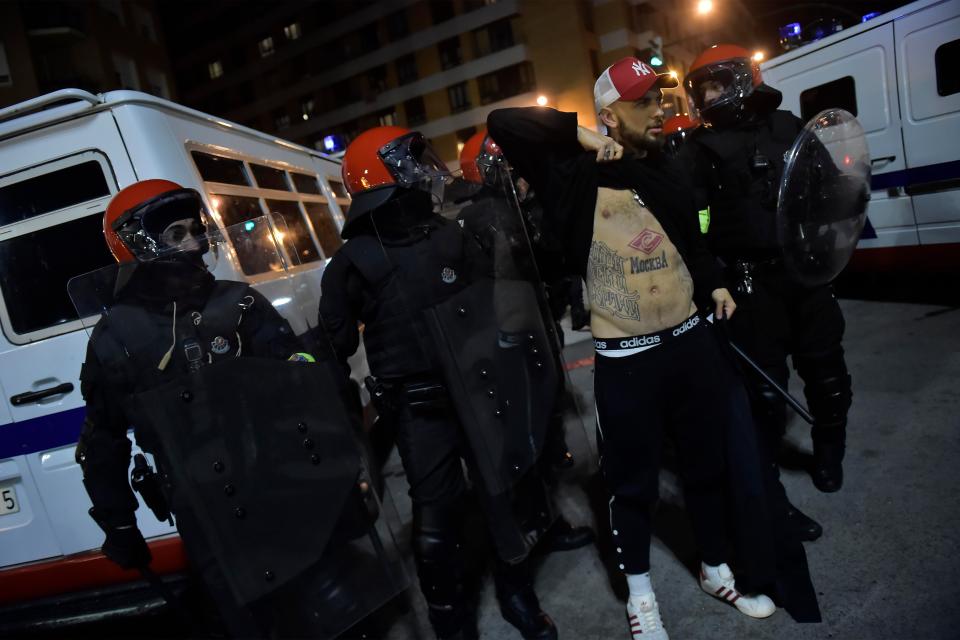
(256, 438)
(458, 287)
(823, 197)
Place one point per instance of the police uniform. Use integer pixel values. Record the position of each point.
(736, 170)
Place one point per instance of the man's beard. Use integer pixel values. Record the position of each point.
(643, 142)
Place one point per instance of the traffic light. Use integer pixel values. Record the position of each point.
(656, 52)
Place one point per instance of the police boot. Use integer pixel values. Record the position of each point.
(829, 446)
(563, 536)
(801, 525)
(518, 602)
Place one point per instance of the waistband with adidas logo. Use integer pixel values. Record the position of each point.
(628, 345)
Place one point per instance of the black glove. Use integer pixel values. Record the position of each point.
(125, 546)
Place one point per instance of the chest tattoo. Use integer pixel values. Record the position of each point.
(608, 283)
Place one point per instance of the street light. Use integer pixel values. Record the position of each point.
(704, 7)
(542, 101)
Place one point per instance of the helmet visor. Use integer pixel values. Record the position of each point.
(719, 84)
(411, 160)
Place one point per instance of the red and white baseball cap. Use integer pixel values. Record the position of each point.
(628, 79)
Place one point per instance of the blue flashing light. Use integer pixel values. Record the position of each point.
(655, 61)
(792, 29)
(249, 225)
(332, 143)
(870, 16)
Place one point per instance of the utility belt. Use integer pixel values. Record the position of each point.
(391, 395)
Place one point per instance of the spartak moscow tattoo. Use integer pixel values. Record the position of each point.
(608, 283)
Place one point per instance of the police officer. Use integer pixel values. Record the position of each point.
(401, 260)
(737, 160)
(168, 320)
(482, 165)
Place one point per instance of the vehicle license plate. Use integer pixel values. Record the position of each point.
(8, 500)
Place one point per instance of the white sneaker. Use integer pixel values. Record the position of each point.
(643, 615)
(757, 606)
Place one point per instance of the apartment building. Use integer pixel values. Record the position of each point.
(319, 73)
(96, 45)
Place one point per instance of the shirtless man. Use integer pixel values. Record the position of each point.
(630, 228)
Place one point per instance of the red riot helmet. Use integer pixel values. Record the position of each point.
(137, 220)
(676, 129)
(730, 72)
(384, 160)
(480, 159)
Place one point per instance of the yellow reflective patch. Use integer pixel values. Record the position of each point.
(704, 219)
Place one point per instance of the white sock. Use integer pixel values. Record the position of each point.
(639, 584)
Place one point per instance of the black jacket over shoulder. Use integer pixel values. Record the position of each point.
(541, 143)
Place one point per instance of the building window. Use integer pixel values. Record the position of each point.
(837, 94)
(266, 47)
(406, 69)
(126, 72)
(449, 53)
(459, 99)
(112, 7)
(281, 119)
(215, 69)
(505, 83)
(157, 82)
(292, 31)
(441, 10)
(144, 23)
(501, 35)
(397, 26)
(388, 118)
(308, 107)
(416, 111)
(369, 38)
(5, 79)
(377, 79)
(947, 60)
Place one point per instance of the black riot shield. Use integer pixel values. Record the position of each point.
(823, 197)
(463, 278)
(261, 461)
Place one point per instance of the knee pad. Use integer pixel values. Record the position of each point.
(827, 386)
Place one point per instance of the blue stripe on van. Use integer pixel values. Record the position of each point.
(916, 175)
(39, 434)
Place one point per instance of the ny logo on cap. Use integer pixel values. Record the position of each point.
(639, 68)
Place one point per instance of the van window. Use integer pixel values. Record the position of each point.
(837, 94)
(217, 169)
(305, 183)
(324, 226)
(269, 178)
(35, 268)
(52, 191)
(296, 236)
(947, 62)
(338, 189)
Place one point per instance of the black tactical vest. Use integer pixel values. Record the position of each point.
(402, 280)
(131, 341)
(745, 164)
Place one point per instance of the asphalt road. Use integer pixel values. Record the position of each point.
(887, 563)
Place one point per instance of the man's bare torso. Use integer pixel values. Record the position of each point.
(636, 280)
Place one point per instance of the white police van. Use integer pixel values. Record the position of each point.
(62, 157)
(899, 73)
